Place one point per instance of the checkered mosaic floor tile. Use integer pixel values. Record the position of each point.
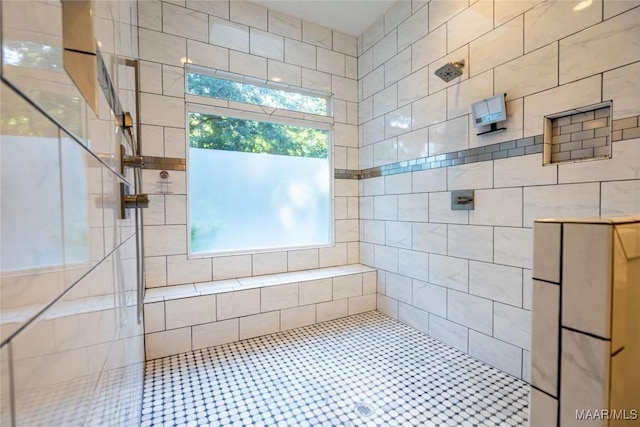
(364, 370)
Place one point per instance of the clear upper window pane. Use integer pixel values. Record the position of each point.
(216, 87)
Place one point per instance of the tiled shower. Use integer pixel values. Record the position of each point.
(403, 140)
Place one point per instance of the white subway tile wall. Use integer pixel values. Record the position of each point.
(468, 273)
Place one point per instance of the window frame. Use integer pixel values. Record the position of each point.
(246, 111)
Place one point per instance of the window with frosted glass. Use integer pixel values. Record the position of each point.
(257, 185)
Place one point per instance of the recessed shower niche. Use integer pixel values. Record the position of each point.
(578, 135)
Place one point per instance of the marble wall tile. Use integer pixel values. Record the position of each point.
(619, 198)
(483, 54)
(413, 145)
(374, 232)
(259, 324)
(184, 22)
(414, 317)
(449, 332)
(228, 267)
(505, 10)
(246, 64)
(545, 324)
(385, 101)
(543, 409)
(440, 210)
(397, 67)
(450, 272)
(395, 15)
(431, 298)
(572, 200)
(413, 264)
(165, 240)
(600, 47)
(151, 82)
(297, 317)
(150, 15)
(503, 356)
(278, 297)
(373, 82)
(162, 110)
(265, 44)
(156, 271)
(585, 374)
(237, 304)
(413, 207)
(623, 165)
(270, 262)
(586, 278)
(190, 311)
(398, 234)
(386, 258)
(440, 11)
(165, 343)
(490, 207)
(512, 324)
(248, 13)
(385, 49)
(470, 241)
(471, 311)
(345, 43)
(429, 180)
(619, 85)
(385, 207)
(429, 110)
(523, 171)
(615, 7)
(347, 286)
(413, 28)
(331, 310)
(298, 53)
(430, 238)
(470, 24)
(215, 333)
(552, 21)
(397, 122)
(154, 317)
(413, 87)
(547, 248)
(429, 48)
(562, 98)
(513, 246)
(226, 34)
(160, 47)
(398, 287)
(361, 304)
(396, 184)
(181, 270)
(317, 35)
(314, 291)
(337, 255)
(387, 306)
(531, 73)
(284, 25)
(470, 176)
(344, 88)
(302, 259)
(316, 80)
(496, 282)
(452, 135)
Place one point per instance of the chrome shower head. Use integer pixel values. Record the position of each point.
(450, 71)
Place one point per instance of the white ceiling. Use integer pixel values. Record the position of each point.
(347, 16)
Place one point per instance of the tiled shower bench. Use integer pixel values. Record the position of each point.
(188, 317)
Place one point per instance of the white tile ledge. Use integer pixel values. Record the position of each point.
(167, 293)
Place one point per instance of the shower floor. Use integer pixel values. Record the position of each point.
(364, 370)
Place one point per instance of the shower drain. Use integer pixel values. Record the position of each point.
(363, 410)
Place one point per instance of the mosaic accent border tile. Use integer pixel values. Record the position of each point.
(627, 128)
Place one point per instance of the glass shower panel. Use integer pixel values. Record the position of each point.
(31, 249)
